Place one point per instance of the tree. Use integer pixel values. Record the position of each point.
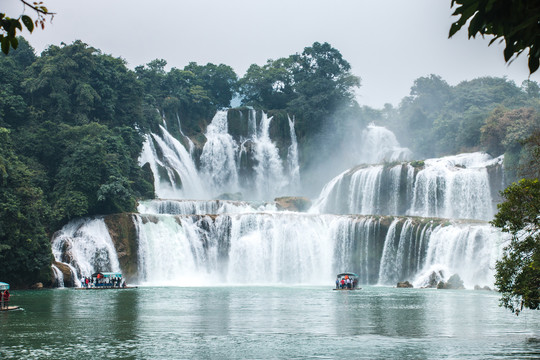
(219, 80)
(518, 272)
(514, 22)
(25, 252)
(9, 26)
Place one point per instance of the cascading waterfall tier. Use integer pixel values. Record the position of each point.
(289, 248)
(450, 187)
(249, 163)
(202, 207)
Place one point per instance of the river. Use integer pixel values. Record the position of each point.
(265, 322)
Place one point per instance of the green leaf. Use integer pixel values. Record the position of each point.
(27, 21)
(533, 64)
(14, 42)
(454, 29)
(5, 44)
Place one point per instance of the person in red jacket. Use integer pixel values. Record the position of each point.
(6, 298)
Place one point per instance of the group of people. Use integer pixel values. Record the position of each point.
(4, 299)
(105, 282)
(346, 283)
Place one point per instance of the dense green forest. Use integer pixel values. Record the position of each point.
(72, 123)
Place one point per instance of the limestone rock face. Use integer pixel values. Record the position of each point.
(293, 203)
(124, 236)
(66, 273)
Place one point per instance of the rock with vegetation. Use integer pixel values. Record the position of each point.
(293, 203)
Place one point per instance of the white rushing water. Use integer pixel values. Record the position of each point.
(219, 156)
(202, 207)
(175, 173)
(86, 246)
(266, 177)
(206, 242)
(378, 145)
(291, 248)
(58, 276)
(450, 187)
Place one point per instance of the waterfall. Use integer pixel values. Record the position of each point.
(58, 276)
(451, 187)
(386, 222)
(190, 143)
(86, 246)
(292, 160)
(218, 159)
(269, 176)
(469, 251)
(249, 164)
(454, 187)
(201, 207)
(175, 173)
(378, 145)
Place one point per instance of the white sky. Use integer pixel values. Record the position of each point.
(389, 43)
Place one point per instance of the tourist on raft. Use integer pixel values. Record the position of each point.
(5, 299)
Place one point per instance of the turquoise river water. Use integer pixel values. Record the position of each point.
(265, 323)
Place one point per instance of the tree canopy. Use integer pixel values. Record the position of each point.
(518, 272)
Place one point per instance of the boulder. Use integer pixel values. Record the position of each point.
(404, 284)
(454, 282)
(293, 203)
(434, 279)
(37, 286)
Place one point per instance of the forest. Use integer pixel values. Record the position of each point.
(72, 123)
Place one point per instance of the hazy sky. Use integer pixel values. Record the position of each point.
(389, 43)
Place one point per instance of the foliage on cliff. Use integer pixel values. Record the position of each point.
(188, 98)
(25, 253)
(76, 119)
(312, 86)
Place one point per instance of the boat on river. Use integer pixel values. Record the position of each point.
(103, 281)
(4, 298)
(347, 281)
